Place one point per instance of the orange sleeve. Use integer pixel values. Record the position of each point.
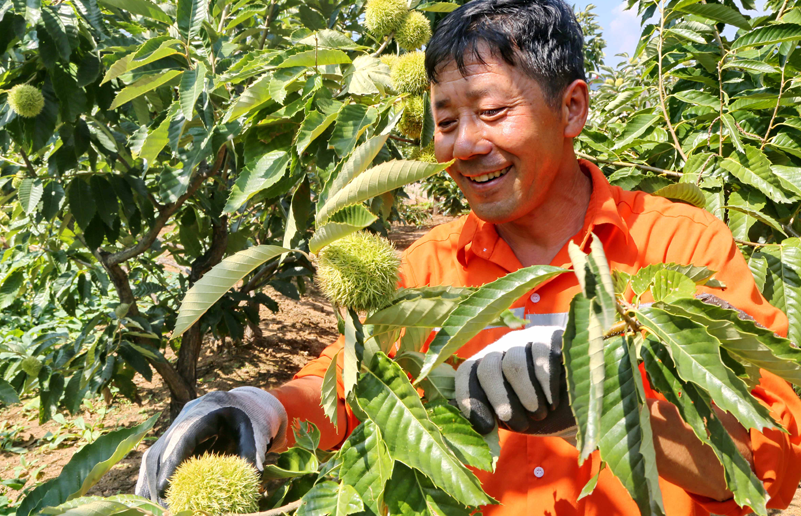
(777, 455)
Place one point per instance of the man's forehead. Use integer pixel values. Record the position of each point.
(477, 80)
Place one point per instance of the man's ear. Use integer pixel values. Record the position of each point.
(575, 106)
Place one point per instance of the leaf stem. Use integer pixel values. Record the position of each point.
(27, 162)
(384, 44)
(630, 165)
(278, 511)
(661, 84)
(404, 140)
(775, 109)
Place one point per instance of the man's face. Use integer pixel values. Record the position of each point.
(507, 141)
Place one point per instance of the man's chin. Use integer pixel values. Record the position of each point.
(493, 213)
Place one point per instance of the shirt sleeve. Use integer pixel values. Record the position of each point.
(777, 455)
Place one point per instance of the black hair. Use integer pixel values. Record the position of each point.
(541, 36)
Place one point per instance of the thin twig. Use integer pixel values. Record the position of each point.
(398, 138)
(752, 244)
(384, 44)
(27, 162)
(661, 85)
(278, 511)
(633, 324)
(268, 19)
(629, 165)
(776, 109)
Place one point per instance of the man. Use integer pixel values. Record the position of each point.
(509, 96)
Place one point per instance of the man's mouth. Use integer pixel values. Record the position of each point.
(490, 176)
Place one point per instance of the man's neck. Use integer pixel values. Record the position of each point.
(536, 239)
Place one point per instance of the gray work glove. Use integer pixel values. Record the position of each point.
(245, 421)
(520, 381)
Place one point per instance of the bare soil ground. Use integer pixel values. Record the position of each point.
(291, 337)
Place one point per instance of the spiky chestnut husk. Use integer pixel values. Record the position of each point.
(414, 31)
(389, 59)
(409, 74)
(32, 366)
(411, 122)
(25, 100)
(216, 484)
(384, 16)
(425, 154)
(359, 271)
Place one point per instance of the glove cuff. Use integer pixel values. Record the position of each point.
(267, 406)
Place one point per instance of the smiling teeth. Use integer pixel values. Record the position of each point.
(492, 175)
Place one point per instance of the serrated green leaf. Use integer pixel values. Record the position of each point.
(644, 278)
(55, 28)
(29, 194)
(440, 384)
(464, 442)
(119, 67)
(127, 501)
(753, 168)
(685, 192)
(257, 94)
(481, 308)
(158, 138)
(626, 438)
(438, 7)
(782, 286)
(734, 134)
(720, 13)
(327, 38)
(412, 494)
(190, 15)
(768, 35)
(419, 308)
(582, 349)
(105, 199)
(635, 127)
(367, 75)
(669, 286)
(354, 218)
(351, 122)
(318, 57)
(687, 34)
(9, 289)
(427, 133)
(8, 395)
(295, 462)
(144, 8)
(328, 392)
(698, 360)
(790, 177)
(698, 98)
(81, 202)
(85, 468)
(366, 464)
(743, 338)
(386, 396)
(143, 86)
(262, 174)
(595, 279)
(749, 65)
(760, 216)
(192, 82)
(359, 160)
(330, 498)
(313, 126)
(696, 411)
(376, 181)
(219, 280)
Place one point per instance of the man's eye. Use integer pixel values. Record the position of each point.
(444, 124)
(492, 112)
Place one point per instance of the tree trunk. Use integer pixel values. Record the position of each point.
(192, 339)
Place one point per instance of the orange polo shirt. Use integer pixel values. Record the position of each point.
(636, 229)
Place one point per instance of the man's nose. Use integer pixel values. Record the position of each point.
(470, 140)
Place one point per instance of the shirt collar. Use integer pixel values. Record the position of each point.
(480, 239)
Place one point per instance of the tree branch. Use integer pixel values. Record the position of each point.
(775, 109)
(384, 44)
(27, 162)
(278, 511)
(404, 140)
(630, 165)
(166, 212)
(661, 85)
(268, 19)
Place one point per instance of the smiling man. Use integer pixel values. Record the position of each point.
(509, 96)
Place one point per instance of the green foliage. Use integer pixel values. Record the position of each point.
(359, 271)
(214, 484)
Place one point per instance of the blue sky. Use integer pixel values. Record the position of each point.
(621, 28)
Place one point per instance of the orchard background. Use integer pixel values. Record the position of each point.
(141, 143)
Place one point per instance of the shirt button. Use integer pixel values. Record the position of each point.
(539, 472)
(535, 298)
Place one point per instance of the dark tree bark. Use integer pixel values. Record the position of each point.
(192, 339)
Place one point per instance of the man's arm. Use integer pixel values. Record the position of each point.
(301, 399)
(684, 460)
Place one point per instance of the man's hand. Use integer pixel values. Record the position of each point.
(245, 421)
(520, 380)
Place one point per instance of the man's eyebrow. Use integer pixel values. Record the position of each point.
(471, 94)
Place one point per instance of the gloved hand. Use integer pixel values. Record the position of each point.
(245, 421)
(520, 380)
